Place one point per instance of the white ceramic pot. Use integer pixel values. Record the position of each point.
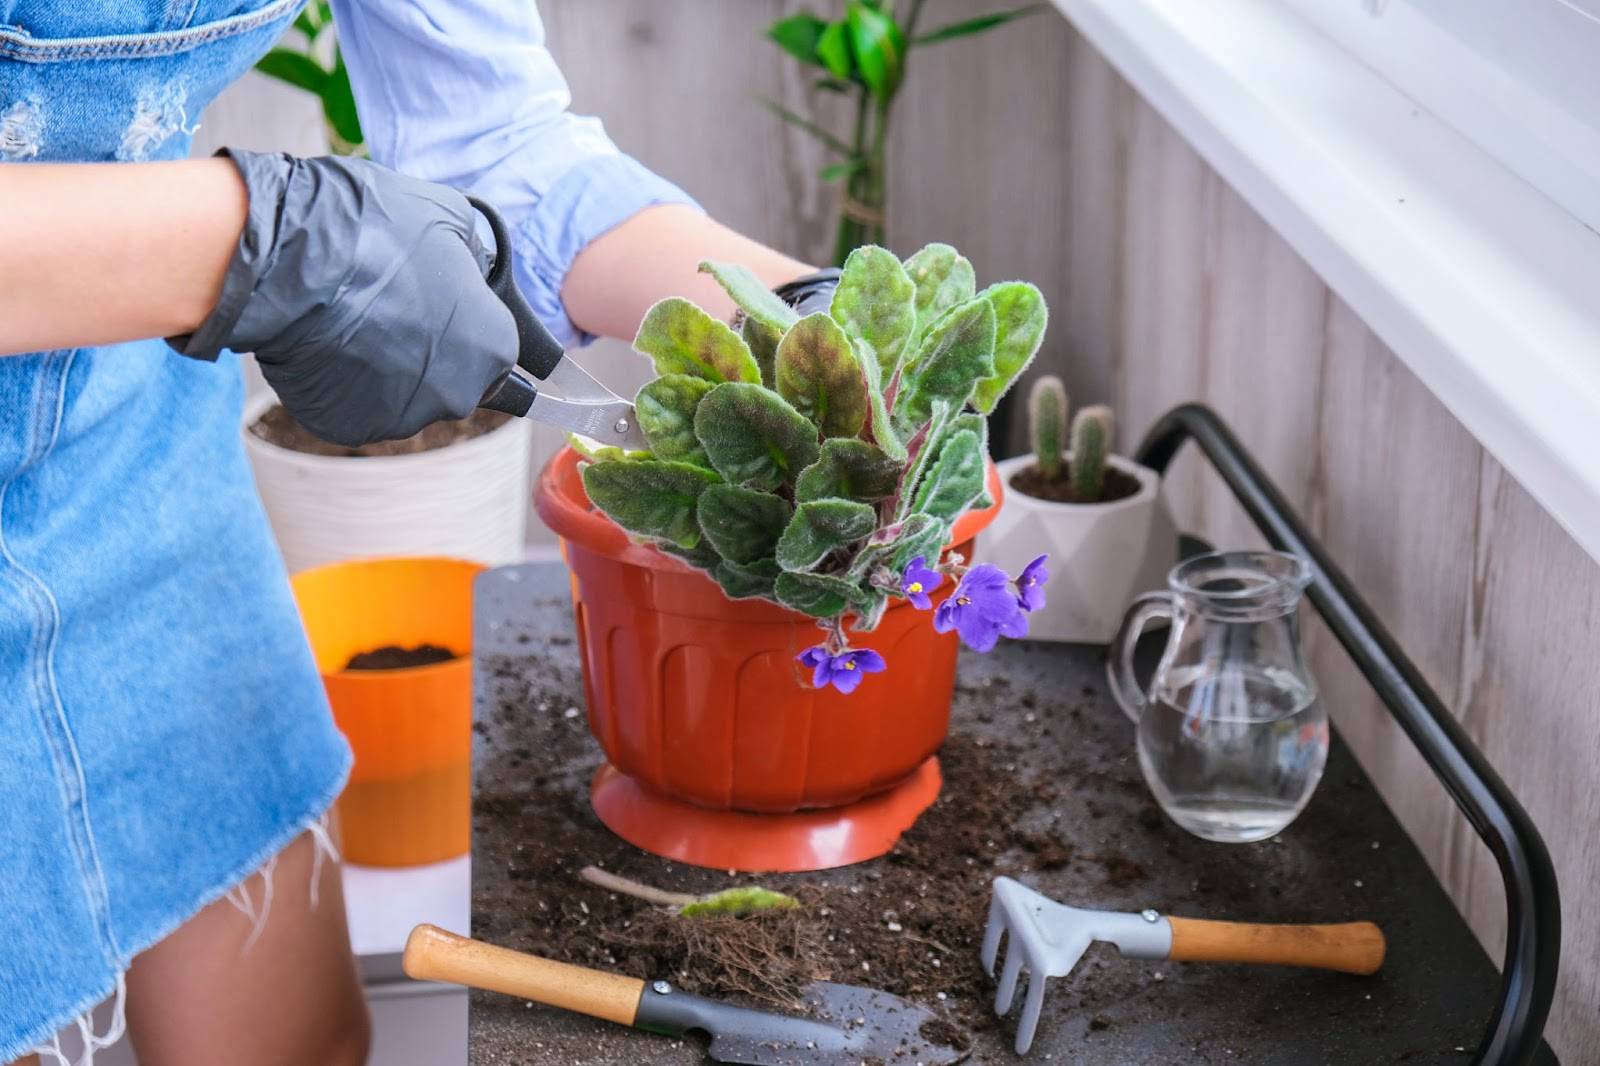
(466, 501)
(1102, 555)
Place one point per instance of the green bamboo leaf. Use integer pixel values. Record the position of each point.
(339, 105)
(944, 277)
(801, 122)
(753, 297)
(742, 524)
(683, 339)
(296, 69)
(839, 171)
(849, 469)
(879, 48)
(817, 371)
(832, 85)
(833, 48)
(968, 27)
(753, 437)
(819, 595)
(665, 409)
(954, 356)
(1020, 320)
(652, 499)
(821, 527)
(875, 302)
(798, 35)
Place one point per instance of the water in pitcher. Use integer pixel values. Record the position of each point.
(1234, 755)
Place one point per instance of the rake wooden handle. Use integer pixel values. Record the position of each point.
(1352, 947)
(432, 954)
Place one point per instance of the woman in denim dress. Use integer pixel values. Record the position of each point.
(167, 756)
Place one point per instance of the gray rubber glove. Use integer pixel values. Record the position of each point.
(362, 294)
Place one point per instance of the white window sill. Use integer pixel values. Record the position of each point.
(1485, 288)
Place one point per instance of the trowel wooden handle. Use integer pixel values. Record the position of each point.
(432, 954)
(1353, 947)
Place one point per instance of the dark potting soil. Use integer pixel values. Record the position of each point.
(277, 426)
(1041, 783)
(1031, 481)
(394, 657)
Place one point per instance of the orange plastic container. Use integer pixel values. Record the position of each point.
(720, 753)
(409, 800)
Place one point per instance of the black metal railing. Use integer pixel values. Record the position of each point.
(1533, 901)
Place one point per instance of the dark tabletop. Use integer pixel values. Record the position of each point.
(1345, 858)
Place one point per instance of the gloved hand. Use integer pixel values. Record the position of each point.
(810, 294)
(362, 294)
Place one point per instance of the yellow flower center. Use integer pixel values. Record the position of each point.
(915, 586)
(962, 601)
(851, 665)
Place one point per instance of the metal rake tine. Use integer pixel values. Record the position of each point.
(1015, 957)
(1028, 1023)
(992, 934)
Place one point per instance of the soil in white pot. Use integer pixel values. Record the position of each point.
(1031, 481)
(277, 426)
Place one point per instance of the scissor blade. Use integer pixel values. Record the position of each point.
(570, 381)
(609, 423)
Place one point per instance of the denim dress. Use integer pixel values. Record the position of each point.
(163, 730)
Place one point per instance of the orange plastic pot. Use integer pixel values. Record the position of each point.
(409, 800)
(719, 752)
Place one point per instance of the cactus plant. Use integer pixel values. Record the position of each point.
(1047, 423)
(826, 474)
(1091, 443)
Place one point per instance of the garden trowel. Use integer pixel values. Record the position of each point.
(583, 406)
(845, 1026)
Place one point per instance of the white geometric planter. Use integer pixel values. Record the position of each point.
(1102, 555)
(466, 501)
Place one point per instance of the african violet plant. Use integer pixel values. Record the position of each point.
(821, 462)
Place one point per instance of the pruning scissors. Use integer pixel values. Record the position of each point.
(583, 405)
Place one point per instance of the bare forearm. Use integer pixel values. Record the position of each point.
(100, 253)
(656, 254)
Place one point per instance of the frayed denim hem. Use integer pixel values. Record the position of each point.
(45, 1040)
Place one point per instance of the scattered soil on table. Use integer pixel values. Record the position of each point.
(394, 657)
(277, 426)
(1031, 481)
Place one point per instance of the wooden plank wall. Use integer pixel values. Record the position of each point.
(1027, 151)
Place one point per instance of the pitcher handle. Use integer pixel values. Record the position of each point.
(1119, 663)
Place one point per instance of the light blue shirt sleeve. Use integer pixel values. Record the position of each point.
(465, 92)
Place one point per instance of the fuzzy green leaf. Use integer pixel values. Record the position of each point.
(650, 498)
(594, 451)
(818, 595)
(879, 421)
(954, 356)
(924, 535)
(820, 527)
(683, 339)
(944, 278)
(739, 902)
(869, 611)
(763, 342)
(665, 408)
(851, 470)
(753, 437)
(747, 582)
(923, 449)
(757, 301)
(876, 302)
(1020, 319)
(878, 46)
(817, 371)
(955, 479)
(798, 35)
(742, 524)
(702, 556)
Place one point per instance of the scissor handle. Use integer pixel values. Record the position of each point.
(537, 351)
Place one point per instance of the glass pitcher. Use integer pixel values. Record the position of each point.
(1232, 737)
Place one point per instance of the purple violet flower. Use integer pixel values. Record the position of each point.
(982, 609)
(919, 581)
(843, 671)
(1030, 584)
